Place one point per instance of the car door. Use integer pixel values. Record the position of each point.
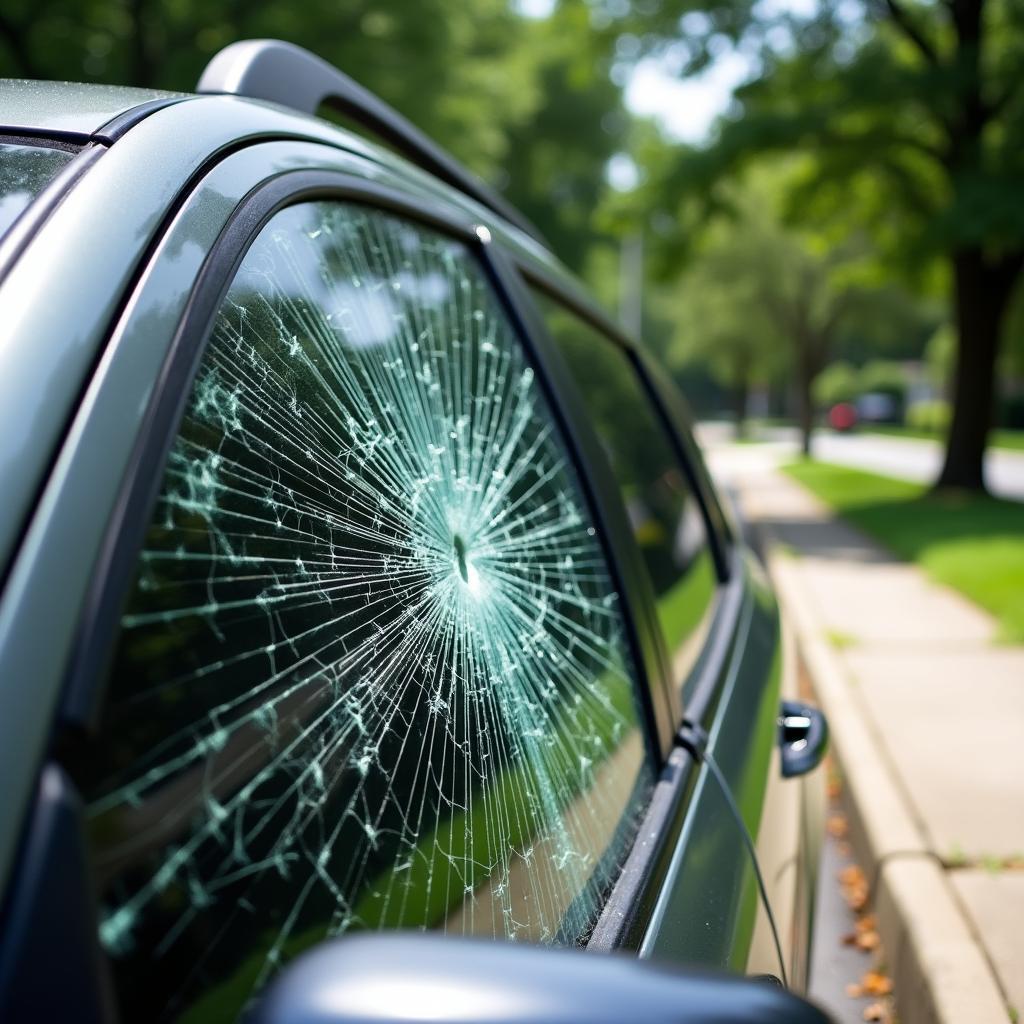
(530, 794)
(352, 651)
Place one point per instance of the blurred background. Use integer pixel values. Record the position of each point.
(813, 212)
(810, 208)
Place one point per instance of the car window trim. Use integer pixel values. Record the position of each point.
(701, 681)
(630, 906)
(568, 294)
(82, 694)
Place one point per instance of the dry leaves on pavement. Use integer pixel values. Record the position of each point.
(856, 891)
(864, 935)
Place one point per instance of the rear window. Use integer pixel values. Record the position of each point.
(25, 170)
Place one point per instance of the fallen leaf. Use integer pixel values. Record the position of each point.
(851, 875)
(837, 826)
(875, 1012)
(854, 887)
(875, 983)
(854, 991)
(867, 941)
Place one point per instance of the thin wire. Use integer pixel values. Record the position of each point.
(727, 793)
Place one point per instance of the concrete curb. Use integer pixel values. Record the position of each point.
(939, 970)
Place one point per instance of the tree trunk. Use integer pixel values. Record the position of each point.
(981, 295)
(143, 73)
(804, 401)
(740, 397)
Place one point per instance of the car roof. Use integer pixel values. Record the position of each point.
(70, 108)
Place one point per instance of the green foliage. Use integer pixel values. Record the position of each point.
(527, 103)
(555, 159)
(931, 417)
(843, 382)
(910, 115)
(885, 377)
(460, 74)
(1012, 363)
(940, 356)
(838, 382)
(970, 542)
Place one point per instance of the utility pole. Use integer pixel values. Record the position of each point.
(631, 284)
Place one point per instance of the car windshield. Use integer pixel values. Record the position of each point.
(25, 170)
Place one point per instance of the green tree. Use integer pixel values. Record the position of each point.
(838, 382)
(914, 113)
(526, 103)
(759, 294)
(719, 319)
(554, 159)
(463, 75)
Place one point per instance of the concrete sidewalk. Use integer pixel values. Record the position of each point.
(927, 715)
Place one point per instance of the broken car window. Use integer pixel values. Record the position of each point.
(25, 170)
(372, 671)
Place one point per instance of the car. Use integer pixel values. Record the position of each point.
(842, 417)
(359, 575)
(878, 407)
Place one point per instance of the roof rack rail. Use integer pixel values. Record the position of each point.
(269, 69)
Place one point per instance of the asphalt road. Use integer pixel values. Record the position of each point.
(900, 457)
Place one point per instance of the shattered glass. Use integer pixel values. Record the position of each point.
(24, 172)
(666, 520)
(372, 671)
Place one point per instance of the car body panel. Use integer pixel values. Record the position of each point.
(709, 900)
(70, 108)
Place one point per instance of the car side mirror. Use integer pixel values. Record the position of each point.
(402, 978)
(803, 737)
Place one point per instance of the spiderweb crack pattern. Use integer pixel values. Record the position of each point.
(372, 672)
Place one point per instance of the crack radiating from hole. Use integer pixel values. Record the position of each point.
(373, 667)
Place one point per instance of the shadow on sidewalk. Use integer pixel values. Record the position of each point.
(825, 538)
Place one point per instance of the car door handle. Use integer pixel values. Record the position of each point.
(803, 737)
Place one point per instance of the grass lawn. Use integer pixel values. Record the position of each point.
(1011, 440)
(974, 544)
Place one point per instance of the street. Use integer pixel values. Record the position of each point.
(909, 459)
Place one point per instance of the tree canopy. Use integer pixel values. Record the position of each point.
(900, 123)
(912, 112)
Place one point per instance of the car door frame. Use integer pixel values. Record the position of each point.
(727, 694)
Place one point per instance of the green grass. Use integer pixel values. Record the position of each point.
(840, 640)
(972, 543)
(1010, 440)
